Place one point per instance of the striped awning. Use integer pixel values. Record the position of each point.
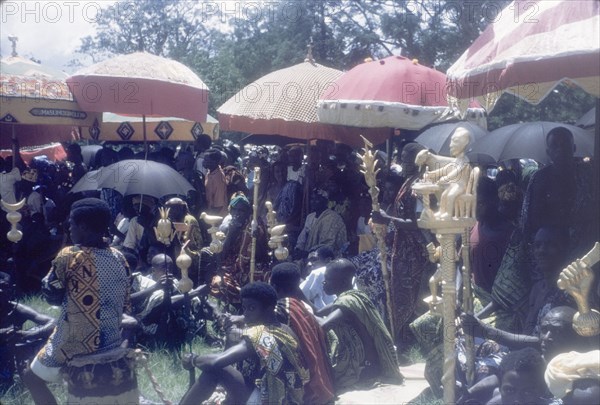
(528, 50)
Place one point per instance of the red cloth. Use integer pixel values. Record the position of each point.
(319, 389)
(54, 152)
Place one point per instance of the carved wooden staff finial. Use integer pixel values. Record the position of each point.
(369, 170)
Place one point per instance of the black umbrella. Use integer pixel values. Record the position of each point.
(437, 138)
(528, 141)
(587, 120)
(88, 152)
(133, 177)
(88, 182)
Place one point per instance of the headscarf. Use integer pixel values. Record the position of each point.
(237, 199)
(566, 368)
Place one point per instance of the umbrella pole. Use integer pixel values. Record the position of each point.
(596, 161)
(254, 226)
(14, 146)
(389, 147)
(468, 303)
(145, 139)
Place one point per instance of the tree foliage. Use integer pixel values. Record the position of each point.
(230, 45)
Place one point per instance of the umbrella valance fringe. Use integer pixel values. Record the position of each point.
(303, 131)
(376, 114)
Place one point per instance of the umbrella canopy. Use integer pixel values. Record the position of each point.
(130, 177)
(88, 182)
(126, 128)
(35, 97)
(531, 48)
(437, 138)
(528, 140)
(395, 92)
(141, 84)
(284, 103)
(587, 120)
(88, 152)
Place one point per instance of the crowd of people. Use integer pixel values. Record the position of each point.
(315, 323)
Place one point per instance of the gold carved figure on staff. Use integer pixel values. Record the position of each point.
(449, 177)
(13, 216)
(216, 244)
(277, 234)
(453, 182)
(577, 279)
(434, 301)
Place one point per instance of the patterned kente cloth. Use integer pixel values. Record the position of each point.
(346, 349)
(311, 338)
(236, 267)
(409, 259)
(278, 373)
(96, 293)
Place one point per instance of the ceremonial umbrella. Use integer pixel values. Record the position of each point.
(395, 92)
(587, 120)
(37, 105)
(134, 177)
(143, 85)
(284, 103)
(529, 49)
(127, 128)
(437, 138)
(528, 140)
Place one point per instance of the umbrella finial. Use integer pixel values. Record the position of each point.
(14, 41)
(309, 56)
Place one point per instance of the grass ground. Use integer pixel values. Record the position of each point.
(164, 365)
(166, 368)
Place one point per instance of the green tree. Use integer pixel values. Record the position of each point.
(161, 27)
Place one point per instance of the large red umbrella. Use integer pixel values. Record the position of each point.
(395, 92)
(141, 84)
(528, 50)
(284, 103)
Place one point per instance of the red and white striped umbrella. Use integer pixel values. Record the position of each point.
(395, 92)
(532, 47)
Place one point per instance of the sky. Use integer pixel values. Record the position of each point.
(50, 31)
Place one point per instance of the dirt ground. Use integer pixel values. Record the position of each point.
(414, 384)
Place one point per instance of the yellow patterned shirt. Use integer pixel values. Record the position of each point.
(96, 284)
(279, 374)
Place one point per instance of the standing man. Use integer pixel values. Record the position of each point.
(216, 186)
(90, 281)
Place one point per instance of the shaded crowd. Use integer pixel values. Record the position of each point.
(314, 324)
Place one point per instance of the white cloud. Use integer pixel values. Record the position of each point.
(50, 31)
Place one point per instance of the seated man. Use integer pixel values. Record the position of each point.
(187, 231)
(18, 345)
(158, 303)
(291, 311)
(323, 227)
(556, 335)
(522, 379)
(312, 286)
(237, 253)
(362, 350)
(270, 368)
(90, 281)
